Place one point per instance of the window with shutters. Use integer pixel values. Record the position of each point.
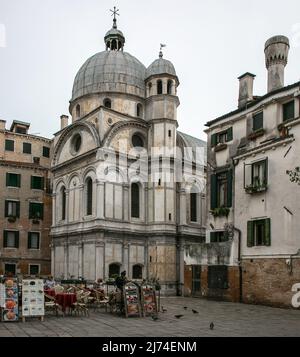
(217, 277)
(222, 137)
(13, 180)
(288, 110)
(159, 87)
(46, 151)
(9, 145)
(33, 240)
(137, 272)
(89, 196)
(193, 206)
(37, 182)
(258, 121)
(256, 176)
(12, 208)
(63, 203)
(34, 269)
(26, 148)
(221, 189)
(219, 237)
(259, 232)
(11, 239)
(36, 210)
(135, 200)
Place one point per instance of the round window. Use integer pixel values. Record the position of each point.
(76, 143)
(137, 141)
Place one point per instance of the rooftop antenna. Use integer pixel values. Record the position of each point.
(160, 52)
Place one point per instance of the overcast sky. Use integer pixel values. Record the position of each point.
(211, 43)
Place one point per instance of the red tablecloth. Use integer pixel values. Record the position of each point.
(50, 292)
(65, 300)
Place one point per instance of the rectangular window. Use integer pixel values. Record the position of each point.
(13, 180)
(10, 268)
(33, 240)
(218, 237)
(256, 176)
(217, 277)
(34, 269)
(169, 133)
(259, 232)
(222, 137)
(46, 151)
(37, 182)
(9, 145)
(21, 130)
(36, 210)
(288, 110)
(193, 206)
(12, 208)
(258, 121)
(11, 239)
(26, 148)
(221, 189)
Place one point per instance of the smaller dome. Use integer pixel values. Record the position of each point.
(114, 32)
(160, 66)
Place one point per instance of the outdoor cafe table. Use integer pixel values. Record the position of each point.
(65, 300)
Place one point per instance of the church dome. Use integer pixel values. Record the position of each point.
(160, 66)
(110, 71)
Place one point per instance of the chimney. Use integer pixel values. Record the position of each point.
(276, 54)
(64, 121)
(2, 124)
(246, 88)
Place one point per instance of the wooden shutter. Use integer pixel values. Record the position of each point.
(7, 179)
(250, 233)
(5, 239)
(229, 188)
(213, 191)
(18, 180)
(268, 231)
(17, 239)
(213, 237)
(6, 209)
(213, 140)
(229, 134)
(18, 209)
(29, 240)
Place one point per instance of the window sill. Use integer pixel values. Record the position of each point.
(220, 147)
(12, 219)
(220, 212)
(256, 134)
(252, 190)
(35, 221)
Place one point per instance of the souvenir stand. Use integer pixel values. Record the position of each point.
(9, 300)
(148, 299)
(132, 300)
(33, 300)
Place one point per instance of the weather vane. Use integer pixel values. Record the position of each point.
(160, 52)
(114, 13)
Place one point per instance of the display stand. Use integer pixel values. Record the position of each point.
(132, 300)
(148, 299)
(9, 300)
(33, 300)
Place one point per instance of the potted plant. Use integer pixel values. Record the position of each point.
(11, 218)
(220, 211)
(256, 134)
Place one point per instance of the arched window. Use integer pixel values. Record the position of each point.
(135, 200)
(169, 87)
(63, 203)
(113, 270)
(78, 111)
(89, 196)
(193, 206)
(139, 110)
(107, 103)
(150, 88)
(137, 272)
(137, 141)
(159, 87)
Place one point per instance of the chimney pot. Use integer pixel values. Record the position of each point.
(64, 121)
(246, 88)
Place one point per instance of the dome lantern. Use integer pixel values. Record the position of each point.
(114, 38)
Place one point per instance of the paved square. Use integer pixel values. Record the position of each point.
(229, 320)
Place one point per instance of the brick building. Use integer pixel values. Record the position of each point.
(25, 204)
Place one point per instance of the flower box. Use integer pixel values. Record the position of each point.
(255, 189)
(12, 219)
(220, 212)
(256, 134)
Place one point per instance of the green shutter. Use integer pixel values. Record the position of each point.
(250, 234)
(29, 240)
(7, 179)
(229, 188)
(17, 240)
(6, 209)
(229, 134)
(18, 180)
(5, 239)
(18, 209)
(213, 191)
(213, 140)
(268, 231)
(213, 237)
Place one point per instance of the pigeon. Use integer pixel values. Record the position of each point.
(154, 317)
(163, 310)
(178, 316)
(211, 326)
(185, 307)
(195, 311)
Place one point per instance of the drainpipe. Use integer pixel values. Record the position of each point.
(240, 263)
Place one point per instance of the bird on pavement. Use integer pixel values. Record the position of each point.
(163, 309)
(154, 317)
(195, 311)
(211, 326)
(185, 307)
(178, 316)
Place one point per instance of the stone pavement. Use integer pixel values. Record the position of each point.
(230, 319)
